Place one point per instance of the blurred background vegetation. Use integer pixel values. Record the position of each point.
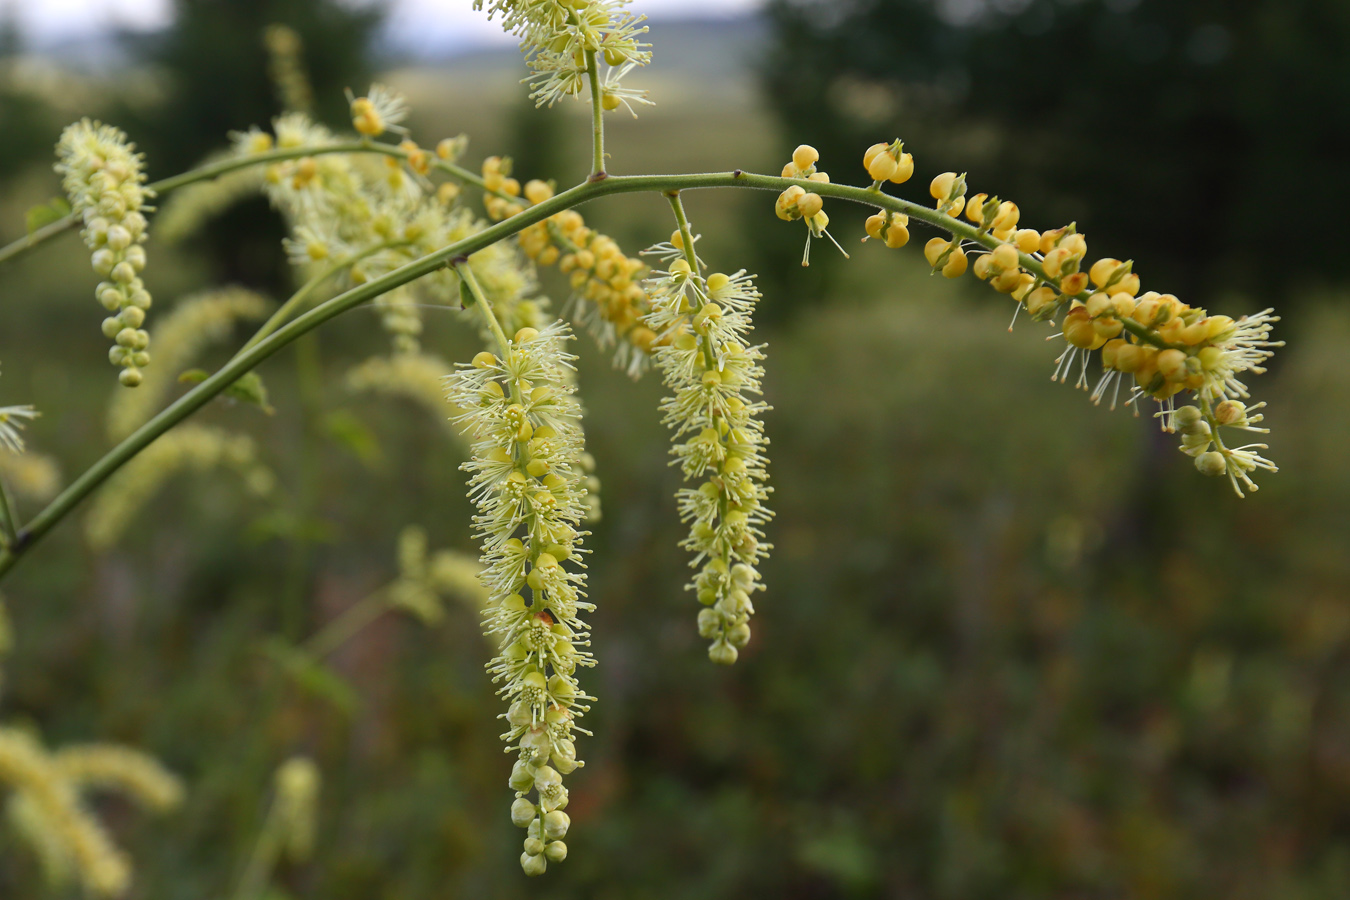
(1013, 645)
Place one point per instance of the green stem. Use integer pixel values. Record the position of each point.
(347, 625)
(597, 118)
(9, 522)
(691, 257)
(37, 237)
(465, 272)
(301, 296)
(247, 360)
(225, 166)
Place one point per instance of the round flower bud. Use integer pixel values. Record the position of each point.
(809, 204)
(722, 653)
(103, 261)
(941, 186)
(874, 225)
(556, 824)
(112, 326)
(132, 316)
(882, 167)
(130, 377)
(1185, 418)
(533, 863)
(872, 152)
(739, 635)
(556, 851)
(1211, 463)
(897, 236)
(522, 813)
(709, 623)
(805, 156)
(522, 779)
(904, 169)
(1230, 412)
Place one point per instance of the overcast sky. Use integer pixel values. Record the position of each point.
(419, 23)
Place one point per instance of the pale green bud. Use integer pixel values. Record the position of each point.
(1211, 463)
(132, 316)
(556, 824)
(130, 377)
(739, 635)
(522, 813)
(135, 255)
(722, 653)
(522, 778)
(109, 297)
(140, 358)
(534, 846)
(709, 623)
(111, 327)
(103, 262)
(556, 851)
(533, 865)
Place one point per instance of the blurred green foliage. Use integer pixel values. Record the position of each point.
(1012, 647)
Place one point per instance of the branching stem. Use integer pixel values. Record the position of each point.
(250, 358)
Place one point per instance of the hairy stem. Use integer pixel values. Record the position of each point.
(248, 359)
(597, 117)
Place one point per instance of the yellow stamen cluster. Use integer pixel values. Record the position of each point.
(797, 202)
(102, 175)
(1163, 344)
(607, 292)
(379, 111)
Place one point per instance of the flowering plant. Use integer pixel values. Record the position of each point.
(398, 225)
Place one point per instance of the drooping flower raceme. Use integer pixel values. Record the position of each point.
(527, 482)
(714, 410)
(101, 174)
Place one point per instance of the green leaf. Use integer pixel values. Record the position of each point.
(466, 297)
(249, 388)
(348, 430)
(45, 214)
(311, 675)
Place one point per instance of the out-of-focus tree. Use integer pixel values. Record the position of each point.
(1186, 133)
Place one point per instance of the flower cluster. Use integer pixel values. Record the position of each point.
(796, 202)
(527, 482)
(607, 294)
(48, 809)
(366, 215)
(1164, 346)
(101, 174)
(296, 806)
(715, 375)
(563, 39)
(193, 324)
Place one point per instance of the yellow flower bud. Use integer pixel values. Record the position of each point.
(872, 152)
(1028, 240)
(904, 169)
(537, 191)
(809, 204)
(897, 235)
(882, 167)
(941, 186)
(956, 264)
(874, 225)
(804, 157)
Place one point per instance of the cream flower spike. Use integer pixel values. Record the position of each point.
(527, 480)
(102, 175)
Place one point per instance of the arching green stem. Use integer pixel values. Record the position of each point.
(250, 358)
